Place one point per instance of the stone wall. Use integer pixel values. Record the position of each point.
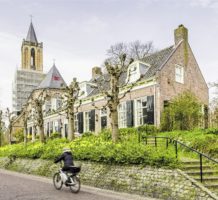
(146, 181)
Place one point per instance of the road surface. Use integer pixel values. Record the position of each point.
(16, 186)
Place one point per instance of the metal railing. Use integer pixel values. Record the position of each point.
(175, 143)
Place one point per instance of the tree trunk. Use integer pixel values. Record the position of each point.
(33, 133)
(71, 130)
(0, 137)
(10, 135)
(114, 125)
(41, 133)
(25, 135)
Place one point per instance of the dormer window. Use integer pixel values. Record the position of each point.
(83, 89)
(179, 74)
(135, 70)
(133, 73)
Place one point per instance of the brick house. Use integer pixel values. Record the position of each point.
(166, 74)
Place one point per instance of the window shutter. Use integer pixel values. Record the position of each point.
(80, 122)
(129, 113)
(150, 110)
(92, 120)
(66, 130)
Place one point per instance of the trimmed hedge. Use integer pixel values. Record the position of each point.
(94, 148)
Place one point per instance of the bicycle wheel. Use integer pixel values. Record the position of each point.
(75, 188)
(57, 181)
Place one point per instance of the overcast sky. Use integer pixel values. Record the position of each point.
(77, 33)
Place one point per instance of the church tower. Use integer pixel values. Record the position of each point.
(32, 52)
(30, 75)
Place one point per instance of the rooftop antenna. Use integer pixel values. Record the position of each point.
(53, 61)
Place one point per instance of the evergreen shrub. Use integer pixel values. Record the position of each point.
(95, 148)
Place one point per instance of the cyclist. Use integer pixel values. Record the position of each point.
(67, 157)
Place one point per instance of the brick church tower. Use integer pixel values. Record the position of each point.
(31, 73)
(32, 52)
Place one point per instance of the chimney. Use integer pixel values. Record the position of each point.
(181, 33)
(96, 71)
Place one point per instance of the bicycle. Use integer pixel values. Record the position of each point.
(70, 178)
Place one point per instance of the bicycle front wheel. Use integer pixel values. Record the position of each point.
(57, 181)
(75, 188)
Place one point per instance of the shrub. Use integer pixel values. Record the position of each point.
(183, 113)
(148, 129)
(55, 135)
(204, 141)
(94, 148)
(19, 135)
(211, 131)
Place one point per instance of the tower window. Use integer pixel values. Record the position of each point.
(32, 59)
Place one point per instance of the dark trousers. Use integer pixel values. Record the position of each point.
(66, 168)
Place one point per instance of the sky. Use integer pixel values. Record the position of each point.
(77, 33)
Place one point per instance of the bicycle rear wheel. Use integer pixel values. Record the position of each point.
(57, 181)
(75, 188)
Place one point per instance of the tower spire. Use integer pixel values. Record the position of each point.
(31, 35)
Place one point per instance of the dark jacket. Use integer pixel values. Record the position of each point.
(67, 157)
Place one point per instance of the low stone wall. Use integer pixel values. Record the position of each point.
(150, 182)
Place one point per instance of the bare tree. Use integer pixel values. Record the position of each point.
(37, 103)
(139, 50)
(116, 67)
(135, 50)
(72, 94)
(1, 127)
(10, 117)
(25, 113)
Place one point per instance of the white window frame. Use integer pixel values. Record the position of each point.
(139, 110)
(122, 118)
(103, 112)
(76, 125)
(56, 126)
(179, 74)
(86, 121)
(133, 73)
(58, 103)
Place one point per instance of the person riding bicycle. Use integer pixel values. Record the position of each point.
(67, 157)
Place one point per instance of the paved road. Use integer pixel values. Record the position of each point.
(16, 186)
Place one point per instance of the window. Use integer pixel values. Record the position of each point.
(48, 106)
(56, 126)
(51, 128)
(76, 122)
(141, 105)
(103, 118)
(133, 74)
(179, 74)
(86, 122)
(145, 110)
(122, 115)
(58, 103)
(103, 112)
(32, 59)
